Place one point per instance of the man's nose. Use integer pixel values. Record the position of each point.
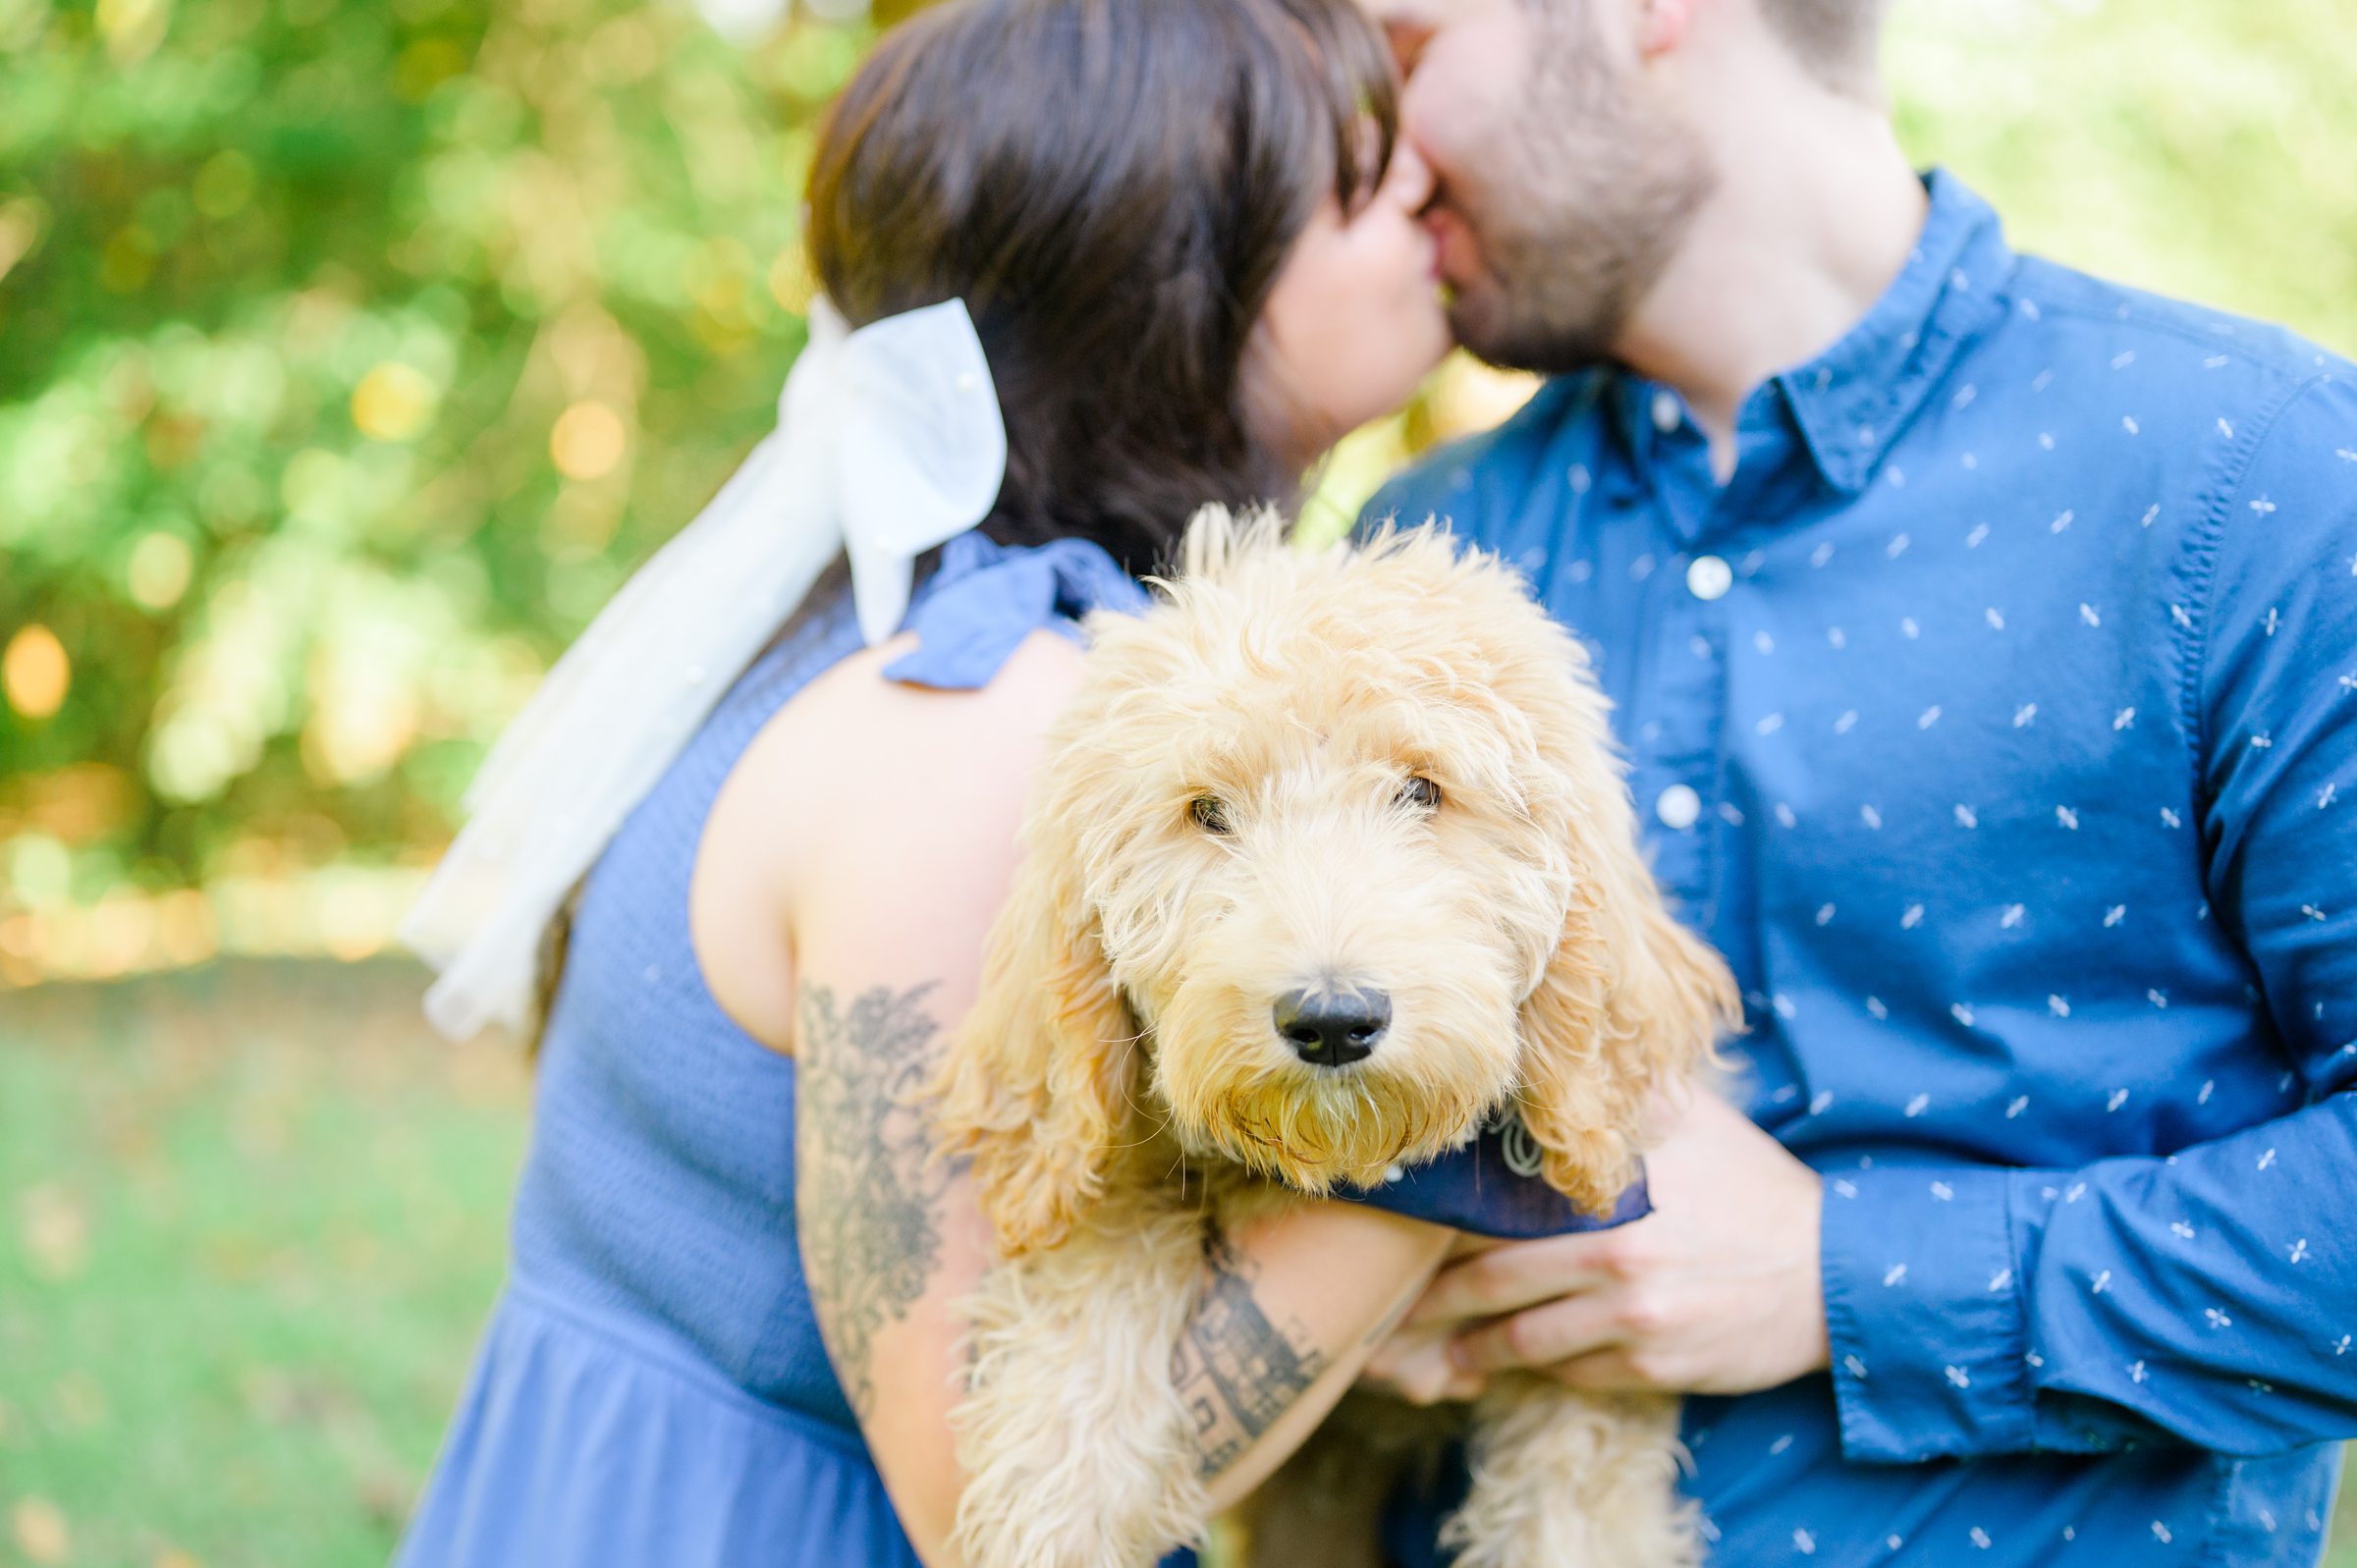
(1331, 1026)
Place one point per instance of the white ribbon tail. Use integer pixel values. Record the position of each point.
(889, 443)
(572, 767)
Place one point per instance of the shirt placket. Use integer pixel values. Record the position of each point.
(1679, 702)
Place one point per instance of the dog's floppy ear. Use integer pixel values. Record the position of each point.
(1037, 1085)
(1631, 1003)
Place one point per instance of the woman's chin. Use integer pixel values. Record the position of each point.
(1423, 341)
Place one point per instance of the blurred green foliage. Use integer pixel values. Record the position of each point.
(351, 351)
(2202, 149)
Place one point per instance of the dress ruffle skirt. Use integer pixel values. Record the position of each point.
(583, 1442)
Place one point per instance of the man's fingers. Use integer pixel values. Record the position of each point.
(1541, 1336)
(1415, 1366)
(1519, 1275)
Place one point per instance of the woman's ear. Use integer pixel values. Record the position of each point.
(1037, 1085)
(1631, 1004)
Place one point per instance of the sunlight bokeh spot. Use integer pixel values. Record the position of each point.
(394, 403)
(160, 567)
(54, 1231)
(19, 229)
(587, 440)
(131, 28)
(36, 672)
(40, 1532)
(39, 870)
(194, 757)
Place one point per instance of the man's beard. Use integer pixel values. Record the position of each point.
(1583, 209)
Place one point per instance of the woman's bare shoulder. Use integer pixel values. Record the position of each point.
(959, 751)
(870, 824)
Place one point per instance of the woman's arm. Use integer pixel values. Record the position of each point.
(892, 867)
(1276, 1281)
(892, 1241)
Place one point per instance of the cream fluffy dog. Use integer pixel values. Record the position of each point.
(1331, 862)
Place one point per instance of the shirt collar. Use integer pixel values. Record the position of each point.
(1852, 402)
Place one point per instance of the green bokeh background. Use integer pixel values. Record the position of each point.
(351, 351)
(296, 292)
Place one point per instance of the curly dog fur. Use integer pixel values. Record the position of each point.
(1379, 767)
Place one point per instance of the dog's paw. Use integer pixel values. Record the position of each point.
(1574, 1482)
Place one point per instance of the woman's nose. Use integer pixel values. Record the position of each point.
(1412, 178)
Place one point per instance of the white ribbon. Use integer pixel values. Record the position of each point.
(889, 442)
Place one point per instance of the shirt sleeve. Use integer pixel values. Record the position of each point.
(2209, 1297)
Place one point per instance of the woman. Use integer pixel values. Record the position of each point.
(1189, 252)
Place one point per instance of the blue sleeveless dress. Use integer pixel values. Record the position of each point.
(652, 1390)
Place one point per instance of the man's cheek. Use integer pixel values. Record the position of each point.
(1445, 121)
(1461, 102)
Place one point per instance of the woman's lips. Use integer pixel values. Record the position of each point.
(1454, 254)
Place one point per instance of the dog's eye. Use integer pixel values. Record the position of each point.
(1210, 813)
(1419, 793)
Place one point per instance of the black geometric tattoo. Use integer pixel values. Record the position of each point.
(865, 1206)
(1235, 1370)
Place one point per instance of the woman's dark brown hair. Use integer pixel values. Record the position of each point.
(1112, 186)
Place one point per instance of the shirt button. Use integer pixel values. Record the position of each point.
(1679, 807)
(1667, 415)
(1709, 578)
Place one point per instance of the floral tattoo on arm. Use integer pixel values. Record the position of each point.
(869, 1183)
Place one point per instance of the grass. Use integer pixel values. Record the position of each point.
(251, 1220)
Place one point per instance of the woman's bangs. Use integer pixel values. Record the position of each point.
(1350, 72)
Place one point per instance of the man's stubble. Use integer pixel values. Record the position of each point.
(1590, 193)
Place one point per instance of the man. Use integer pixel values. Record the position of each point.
(1985, 644)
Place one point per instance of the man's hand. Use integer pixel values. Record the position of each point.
(1716, 1292)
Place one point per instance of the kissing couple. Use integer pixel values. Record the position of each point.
(1976, 634)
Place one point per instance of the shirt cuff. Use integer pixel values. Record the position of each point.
(1926, 1314)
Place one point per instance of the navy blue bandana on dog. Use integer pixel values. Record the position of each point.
(1492, 1187)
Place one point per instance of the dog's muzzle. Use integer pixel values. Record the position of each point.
(1330, 1027)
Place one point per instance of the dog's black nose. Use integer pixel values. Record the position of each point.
(1333, 1028)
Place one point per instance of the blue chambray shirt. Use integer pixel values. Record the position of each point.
(1997, 720)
